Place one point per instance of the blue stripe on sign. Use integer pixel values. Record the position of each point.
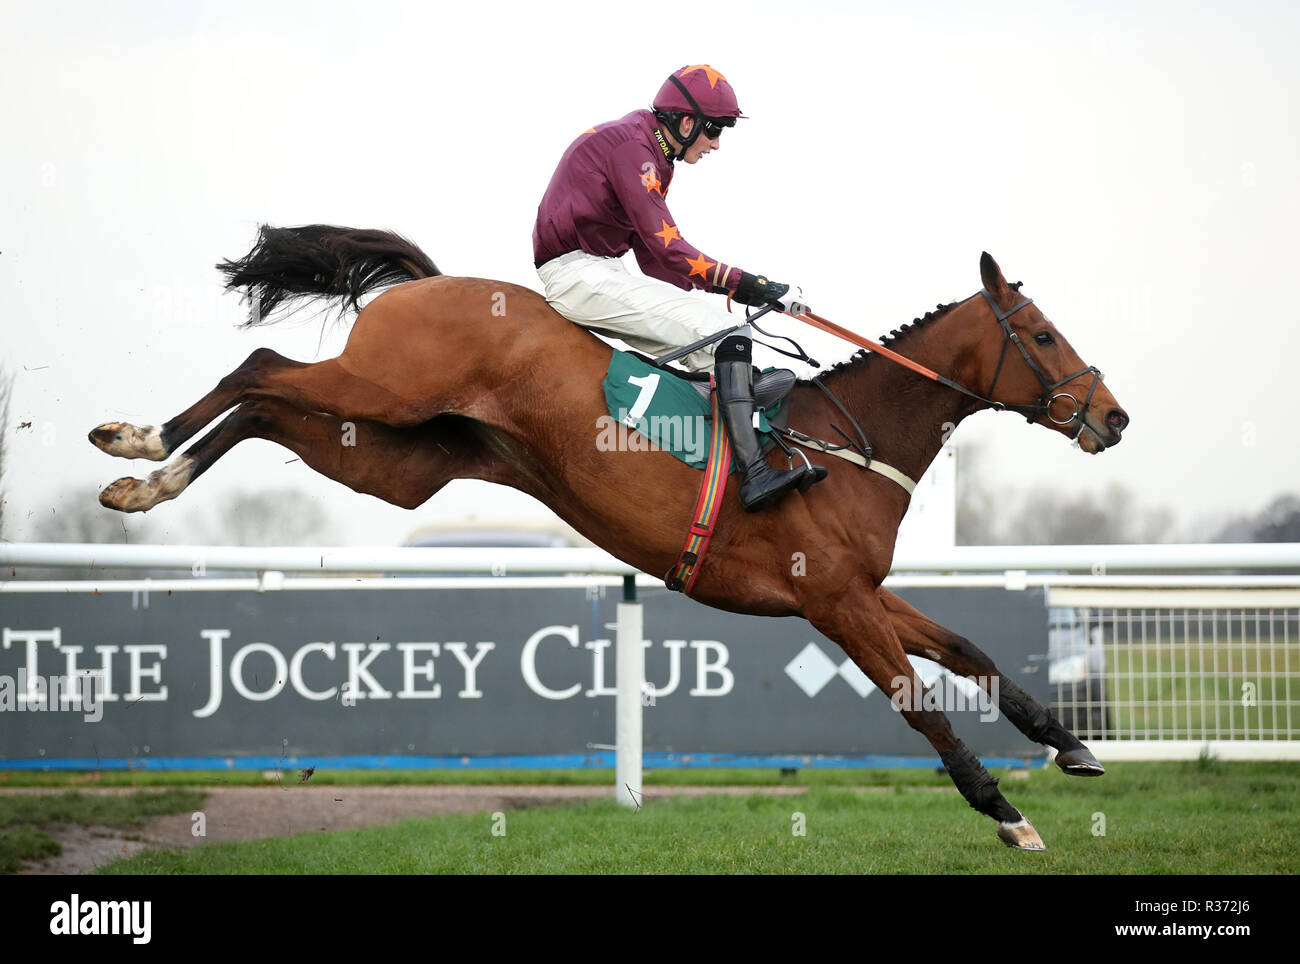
(601, 760)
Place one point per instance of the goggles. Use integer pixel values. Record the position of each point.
(714, 126)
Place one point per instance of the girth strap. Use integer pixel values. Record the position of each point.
(844, 452)
(681, 578)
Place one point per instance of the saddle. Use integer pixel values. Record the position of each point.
(771, 388)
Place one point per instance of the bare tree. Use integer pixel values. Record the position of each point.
(1110, 518)
(280, 517)
(76, 516)
(978, 510)
(1278, 522)
(270, 517)
(1044, 516)
(6, 392)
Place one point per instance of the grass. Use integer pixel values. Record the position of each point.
(922, 776)
(1187, 690)
(22, 816)
(1202, 817)
(18, 844)
(119, 810)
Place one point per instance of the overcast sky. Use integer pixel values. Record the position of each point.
(1136, 164)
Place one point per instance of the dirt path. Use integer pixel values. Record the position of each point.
(249, 813)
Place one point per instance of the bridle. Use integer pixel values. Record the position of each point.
(1039, 409)
(1043, 407)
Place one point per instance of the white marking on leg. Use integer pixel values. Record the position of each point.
(139, 495)
(171, 480)
(131, 441)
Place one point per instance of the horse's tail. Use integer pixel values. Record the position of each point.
(322, 260)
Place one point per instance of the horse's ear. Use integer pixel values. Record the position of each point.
(991, 275)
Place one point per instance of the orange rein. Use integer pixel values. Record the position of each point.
(817, 321)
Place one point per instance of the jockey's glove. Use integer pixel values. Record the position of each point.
(756, 291)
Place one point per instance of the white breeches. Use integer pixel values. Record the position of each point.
(650, 315)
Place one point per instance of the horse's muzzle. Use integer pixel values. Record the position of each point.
(1107, 434)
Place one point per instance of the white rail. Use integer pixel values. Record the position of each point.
(1096, 560)
(329, 559)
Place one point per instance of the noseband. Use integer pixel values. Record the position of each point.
(1043, 407)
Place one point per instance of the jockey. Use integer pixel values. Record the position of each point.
(606, 197)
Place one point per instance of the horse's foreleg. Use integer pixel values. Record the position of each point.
(858, 622)
(922, 636)
(403, 466)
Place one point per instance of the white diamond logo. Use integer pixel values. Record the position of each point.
(811, 670)
(856, 678)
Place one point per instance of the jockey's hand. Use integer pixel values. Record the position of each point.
(756, 291)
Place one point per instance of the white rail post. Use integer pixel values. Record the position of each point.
(629, 663)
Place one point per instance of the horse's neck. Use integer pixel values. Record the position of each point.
(907, 417)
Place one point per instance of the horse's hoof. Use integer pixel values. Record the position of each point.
(1020, 835)
(129, 441)
(1079, 763)
(138, 495)
(127, 495)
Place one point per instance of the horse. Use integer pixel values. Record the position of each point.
(448, 377)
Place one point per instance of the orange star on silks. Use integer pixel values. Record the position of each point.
(713, 75)
(669, 233)
(652, 182)
(700, 266)
(590, 130)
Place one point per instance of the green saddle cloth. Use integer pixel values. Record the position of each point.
(648, 403)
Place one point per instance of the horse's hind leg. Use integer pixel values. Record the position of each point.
(922, 636)
(156, 443)
(322, 386)
(362, 455)
(857, 620)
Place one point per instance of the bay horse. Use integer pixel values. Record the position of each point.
(463, 378)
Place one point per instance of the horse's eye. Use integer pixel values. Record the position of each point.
(1044, 338)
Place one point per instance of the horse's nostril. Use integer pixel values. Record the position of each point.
(1117, 419)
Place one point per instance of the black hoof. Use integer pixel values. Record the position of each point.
(1079, 763)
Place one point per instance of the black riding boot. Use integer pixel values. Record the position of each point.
(760, 484)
